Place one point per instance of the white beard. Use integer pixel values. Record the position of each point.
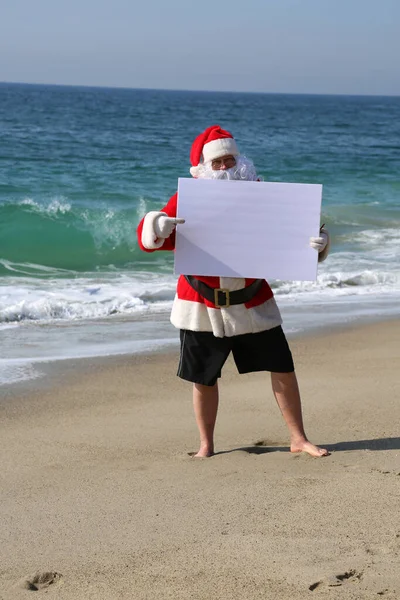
(244, 170)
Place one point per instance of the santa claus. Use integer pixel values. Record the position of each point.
(217, 315)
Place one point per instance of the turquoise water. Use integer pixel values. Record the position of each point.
(80, 166)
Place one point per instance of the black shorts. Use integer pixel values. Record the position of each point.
(203, 355)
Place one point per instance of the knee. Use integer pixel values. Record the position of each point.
(205, 390)
(284, 378)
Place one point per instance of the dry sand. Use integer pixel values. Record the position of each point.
(100, 496)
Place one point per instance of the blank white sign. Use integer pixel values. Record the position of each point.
(247, 229)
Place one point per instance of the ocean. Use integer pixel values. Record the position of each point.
(81, 166)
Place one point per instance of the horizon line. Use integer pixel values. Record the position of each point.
(150, 89)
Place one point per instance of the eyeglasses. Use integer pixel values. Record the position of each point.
(227, 161)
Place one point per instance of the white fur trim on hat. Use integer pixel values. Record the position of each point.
(218, 148)
(149, 238)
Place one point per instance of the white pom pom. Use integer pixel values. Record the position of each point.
(194, 171)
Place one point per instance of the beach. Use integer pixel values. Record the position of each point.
(100, 495)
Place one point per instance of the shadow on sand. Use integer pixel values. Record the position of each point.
(377, 444)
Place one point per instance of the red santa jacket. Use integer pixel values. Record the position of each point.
(192, 311)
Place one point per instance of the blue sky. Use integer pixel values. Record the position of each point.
(294, 46)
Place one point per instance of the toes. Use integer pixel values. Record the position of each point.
(322, 451)
(310, 449)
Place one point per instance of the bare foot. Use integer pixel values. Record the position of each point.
(204, 452)
(309, 448)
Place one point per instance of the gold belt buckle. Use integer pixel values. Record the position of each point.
(227, 299)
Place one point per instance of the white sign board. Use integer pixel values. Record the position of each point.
(247, 229)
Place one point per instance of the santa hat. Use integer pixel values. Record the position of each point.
(213, 143)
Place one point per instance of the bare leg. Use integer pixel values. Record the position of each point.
(205, 404)
(286, 392)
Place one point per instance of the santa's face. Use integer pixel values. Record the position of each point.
(224, 162)
(229, 167)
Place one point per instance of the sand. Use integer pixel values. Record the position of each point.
(101, 500)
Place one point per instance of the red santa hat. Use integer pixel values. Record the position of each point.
(213, 143)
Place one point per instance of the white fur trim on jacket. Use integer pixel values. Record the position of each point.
(149, 238)
(218, 148)
(225, 322)
(322, 255)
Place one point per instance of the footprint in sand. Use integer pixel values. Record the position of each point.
(40, 580)
(268, 443)
(264, 446)
(351, 576)
(392, 547)
(396, 473)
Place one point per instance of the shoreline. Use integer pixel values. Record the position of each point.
(98, 486)
(62, 369)
(42, 369)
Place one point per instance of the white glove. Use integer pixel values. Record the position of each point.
(319, 243)
(164, 226)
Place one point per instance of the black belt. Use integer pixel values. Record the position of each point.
(223, 298)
